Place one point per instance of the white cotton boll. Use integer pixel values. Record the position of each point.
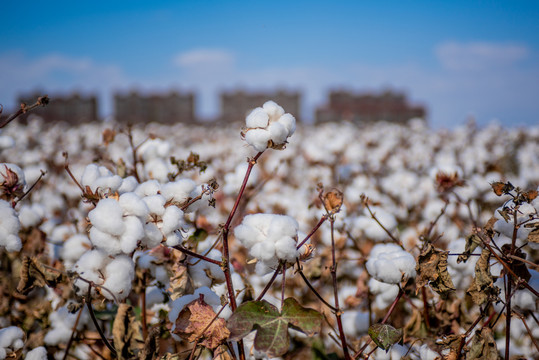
(11, 339)
(62, 323)
(61, 233)
(31, 215)
(147, 188)
(74, 248)
(178, 191)
(132, 204)
(283, 225)
(173, 239)
(154, 236)
(384, 294)
(274, 110)
(207, 274)
(90, 175)
(278, 133)
(39, 353)
(389, 263)
(258, 139)
(107, 217)
(285, 249)
(262, 268)
(266, 250)
(289, 122)
(111, 182)
(9, 228)
(129, 184)
(105, 241)
(157, 169)
(172, 219)
(119, 275)
(258, 118)
(88, 267)
(6, 142)
(427, 354)
(133, 233)
(156, 204)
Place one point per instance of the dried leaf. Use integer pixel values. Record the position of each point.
(272, 326)
(222, 353)
(501, 188)
(384, 335)
(452, 342)
(35, 274)
(180, 282)
(126, 332)
(432, 269)
(151, 345)
(533, 236)
(472, 242)
(517, 266)
(333, 201)
(108, 136)
(483, 346)
(482, 287)
(530, 195)
(198, 321)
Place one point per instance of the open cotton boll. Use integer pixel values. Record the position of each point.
(289, 122)
(383, 293)
(172, 219)
(119, 274)
(88, 267)
(389, 263)
(129, 184)
(133, 233)
(156, 204)
(39, 353)
(273, 110)
(285, 249)
(9, 228)
(107, 217)
(104, 241)
(278, 133)
(11, 339)
(258, 139)
(257, 118)
(147, 188)
(62, 323)
(205, 273)
(153, 235)
(31, 215)
(178, 191)
(74, 248)
(132, 204)
(157, 169)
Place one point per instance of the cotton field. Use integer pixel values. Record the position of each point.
(430, 236)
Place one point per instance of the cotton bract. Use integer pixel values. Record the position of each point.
(268, 126)
(390, 264)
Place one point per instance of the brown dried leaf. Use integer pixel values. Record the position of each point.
(432, 269)
(126, 332)
(452, 342)
(151, 345)
(483, 346)
(222, 353)
(198, 321)
(533, 236)
(333, 201)
(482, 287)
(501, 188)
(530, 195)
(517, 266)
(35, 274)
(472, 242)
(108, 136)
(180, 282)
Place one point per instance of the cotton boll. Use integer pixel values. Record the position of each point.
(207, 274)
(285, 248)
(62, 323)
(173, 239)
(273, 110)
(11, 339)
(39, 353)
(178, 191)
(9, 228)
(172, 219)
(134, 232)
(384, 294)
(74, 248)
(104, 241)
(427, 354)
(289, 122)
(111, 182)
(156, 204)
(31, 215)
(132, 204)
(107, 217)
(89, 267)
(258, 139)
(5, 169)
(257, 118)
(148, 188)
(6, 142)
(157, 169)
(61, 233)
(119, 275)
(278, 133)
(390, 264)
(153, 235)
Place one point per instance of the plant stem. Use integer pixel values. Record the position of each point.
(314, 290)
(198, 256)
(143, 308)
(320, 222)
(96, 324)
(73, 331)
(336, 291)
(392, 237)
(268, 285)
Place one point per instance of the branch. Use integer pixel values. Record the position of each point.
(41, 101)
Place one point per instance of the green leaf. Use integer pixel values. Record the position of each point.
(384, 335)
(272, 325)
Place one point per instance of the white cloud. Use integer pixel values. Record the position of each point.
(479, 56)
(210, 58)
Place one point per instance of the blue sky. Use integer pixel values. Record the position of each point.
(459, 58)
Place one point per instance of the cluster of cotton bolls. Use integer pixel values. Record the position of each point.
(268, 126)
(390, 264)
(270, 238)
(9, 228)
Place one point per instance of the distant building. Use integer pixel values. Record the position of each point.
(237, 104)
(166, 108)
(73, 109)
(368, 108)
